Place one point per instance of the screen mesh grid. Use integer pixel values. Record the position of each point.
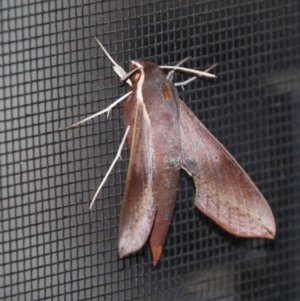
(53, 74)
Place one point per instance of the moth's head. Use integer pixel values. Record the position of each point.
(152, 73)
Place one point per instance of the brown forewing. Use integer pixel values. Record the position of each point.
(138, 206)
(224, 192)
(160, 113)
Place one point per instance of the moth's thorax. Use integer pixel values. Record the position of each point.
(153, 90)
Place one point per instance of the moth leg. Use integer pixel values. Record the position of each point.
(192, 71)
(170, 74)
(108, 109)
(111, 166)
(211, 67)
(184, 83)
(181, 84)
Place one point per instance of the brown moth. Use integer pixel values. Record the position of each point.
(165, 136)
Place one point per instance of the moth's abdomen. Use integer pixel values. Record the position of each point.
(165, 191)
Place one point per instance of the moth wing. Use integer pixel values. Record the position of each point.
(138, 206)
(224, 192)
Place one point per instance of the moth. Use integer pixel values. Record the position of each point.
(164, 136)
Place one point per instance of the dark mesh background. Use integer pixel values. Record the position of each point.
(53, 73)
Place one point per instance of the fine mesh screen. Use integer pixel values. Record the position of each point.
(53, 74)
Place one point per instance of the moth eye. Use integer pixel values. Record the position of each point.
(136, 76)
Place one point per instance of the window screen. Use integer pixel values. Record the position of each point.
(54, 74)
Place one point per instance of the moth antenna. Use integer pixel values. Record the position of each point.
(111, 166)
(181, 84)
(117, 68)
(108, 109)
(192, 71)
(170, 74)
